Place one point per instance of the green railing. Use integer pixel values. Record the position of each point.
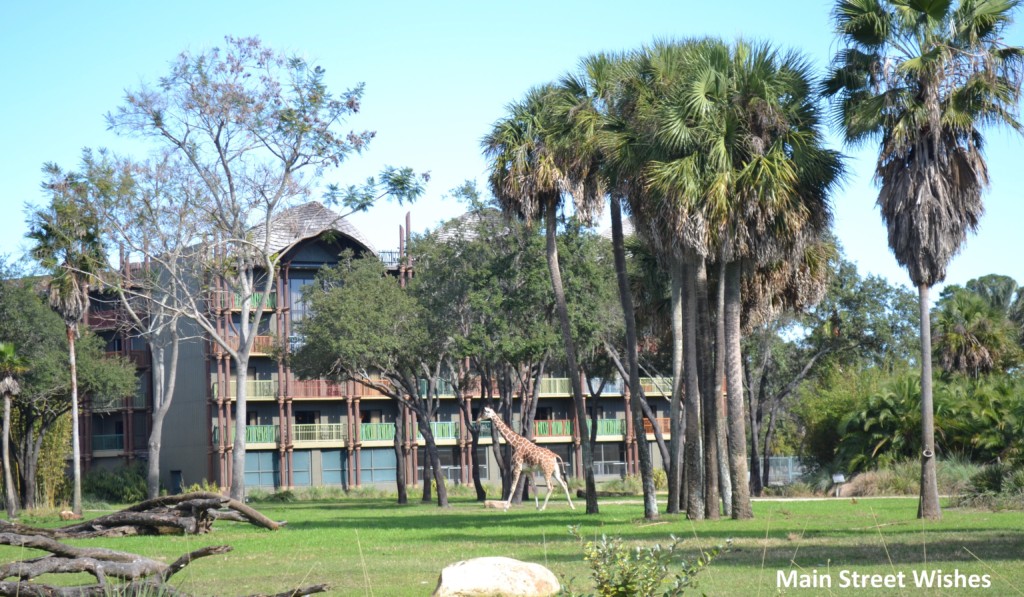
(444, 387)
(108, 442)
(256, 389)
(372, 432)
(609, 427)
(254, 434)
(443, 430)
(485, 429)
(321, 432)
(556, 428)
(235, 301)
(558, 386)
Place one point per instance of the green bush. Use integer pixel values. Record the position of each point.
(660, 479)
(123, 485)
(622, 571)
(204, 486)
(989, 479)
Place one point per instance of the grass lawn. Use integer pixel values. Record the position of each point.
(374, 547)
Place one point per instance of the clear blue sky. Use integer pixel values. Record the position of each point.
(437, 75)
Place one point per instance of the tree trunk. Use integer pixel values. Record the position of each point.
(164, 379)
(76, 448)
(766, 449)
(709, 445)
(562, 309)
(434, 459)
(9, 496)
(675, 447)
(929, 506)
(721, 431)
(629, 315)
(693, 464)
(734, 389)
(237, 491)
(400, 480)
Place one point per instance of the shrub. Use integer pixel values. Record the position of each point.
(660, 479)
(989, 479)
(621, 571)
(204, 486)
(123, 485)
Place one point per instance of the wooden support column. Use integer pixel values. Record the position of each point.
(357, 465)
(631, 448)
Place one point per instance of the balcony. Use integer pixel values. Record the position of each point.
(664, 424)
(656, 386)
(552, 428)
(108, 443)
(254, 390)
(376, 432)
(254, 434)
(555, 386)
(315, 388)
(261, 345)
(234, 301)
(103, 319)
(444, 430)
(609, 427)
(444, 388)
(321, 433)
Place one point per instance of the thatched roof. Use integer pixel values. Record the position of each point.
(305, 221)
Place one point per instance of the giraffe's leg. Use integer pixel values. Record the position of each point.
(517, 469)
(536, 490)
(547, 477)
(558, 476)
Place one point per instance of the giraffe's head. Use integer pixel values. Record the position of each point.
(488, 414)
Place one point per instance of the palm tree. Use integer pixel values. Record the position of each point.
(972, 336)
(67, 244)
(923, 77)
(11, 367)
(528, 181)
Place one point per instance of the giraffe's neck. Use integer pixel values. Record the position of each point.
(510, 436)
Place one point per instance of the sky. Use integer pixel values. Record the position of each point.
(437, 75)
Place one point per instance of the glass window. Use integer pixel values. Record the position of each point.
(378, 465)
(334, 467)
(295, 301)
(301, 468)
(262, 469)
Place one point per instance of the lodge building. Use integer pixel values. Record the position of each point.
(302, 433)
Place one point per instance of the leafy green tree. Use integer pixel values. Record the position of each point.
(12, 367)
(923, 78)
(69, 248)
(37, 333)
(971, 336)
(361, 325)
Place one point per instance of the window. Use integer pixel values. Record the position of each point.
(307, 417)
(295, 300)
(378, 465)
(262, 469)
(334, 467)
(301, 468)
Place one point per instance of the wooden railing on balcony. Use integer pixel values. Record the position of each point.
(657, 386)
(315, 388)
(255, 389)
(555, 386)
(233, 301)
(663, 424)
(319, 432)
(108, 442)
(553, 428)
(609, 427)
(254, 434)
(103, 319)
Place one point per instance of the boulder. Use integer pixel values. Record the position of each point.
(496, 576)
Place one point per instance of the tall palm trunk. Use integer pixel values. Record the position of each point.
(929, 506)
(76, 449)
(626, 298)
(675, 409)
(10, 498)
(708, 398)
(721, 420)
(562, 309)
(693, 464)
(734, 389)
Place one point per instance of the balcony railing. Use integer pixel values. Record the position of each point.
(443, 430)
(663, 424)
(318, 432)
(555, 386)
(108, 442)
(254, 434)
(234, 301)
(315, 388)
(661, 386)
(554, 428)
(444, 387)
(255, 389)
(374, 432)
(609, 427)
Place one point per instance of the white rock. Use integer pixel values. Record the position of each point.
(496, 576)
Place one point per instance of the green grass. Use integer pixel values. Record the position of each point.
(374, 547)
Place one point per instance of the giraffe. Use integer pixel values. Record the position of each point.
(531, 456)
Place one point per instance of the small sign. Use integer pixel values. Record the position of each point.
(839, 478)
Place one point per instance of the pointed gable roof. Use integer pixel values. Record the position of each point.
(305, 221)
